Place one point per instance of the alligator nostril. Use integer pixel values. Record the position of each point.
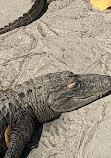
(71, 85)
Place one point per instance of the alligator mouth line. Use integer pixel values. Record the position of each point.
(99, 95)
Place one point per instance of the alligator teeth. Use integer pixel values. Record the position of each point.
(100, 95)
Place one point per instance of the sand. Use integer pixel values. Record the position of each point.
(73, 36)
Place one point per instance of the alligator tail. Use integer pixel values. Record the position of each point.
(26, 19)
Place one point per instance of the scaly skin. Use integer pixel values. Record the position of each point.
(27, 18)
(43, 99)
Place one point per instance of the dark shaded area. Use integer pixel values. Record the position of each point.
(2, 152)
(33, 143)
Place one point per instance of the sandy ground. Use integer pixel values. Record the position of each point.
(73, 36)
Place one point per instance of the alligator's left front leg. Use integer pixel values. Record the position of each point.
(20, 135)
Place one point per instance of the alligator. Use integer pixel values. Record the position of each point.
(44, 99)
(37, 9)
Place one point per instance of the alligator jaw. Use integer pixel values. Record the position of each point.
(89, 88)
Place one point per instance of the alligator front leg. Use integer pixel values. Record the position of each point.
(20, 135)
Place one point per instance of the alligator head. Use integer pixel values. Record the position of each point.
(82, 90)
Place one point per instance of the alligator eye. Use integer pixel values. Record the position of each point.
(71, 85)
